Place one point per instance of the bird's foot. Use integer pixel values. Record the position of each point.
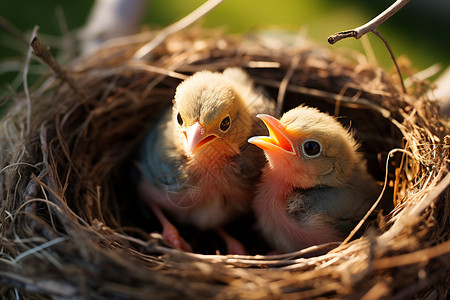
(236, 247)
(173, 237)
(233, 245)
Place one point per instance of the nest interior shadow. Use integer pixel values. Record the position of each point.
(71, 210)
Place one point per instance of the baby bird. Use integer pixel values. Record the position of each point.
(196, 161)
(315, 187)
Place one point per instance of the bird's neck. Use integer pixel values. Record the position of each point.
(276, 187)
(210, 160)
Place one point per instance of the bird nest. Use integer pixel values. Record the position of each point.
(72, 225)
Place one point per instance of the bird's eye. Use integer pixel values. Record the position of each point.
(225, 124)
(179, 119)
(311, 148)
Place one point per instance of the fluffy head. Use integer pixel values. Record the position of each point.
(209, 111)
(308, 148)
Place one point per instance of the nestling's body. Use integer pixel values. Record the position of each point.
(315, 187)
(196, 161)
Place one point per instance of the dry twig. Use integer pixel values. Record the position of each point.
(44, 53)
(369, 26)
(145, 51)
(372, 26)
(25, 81)
(420, 256)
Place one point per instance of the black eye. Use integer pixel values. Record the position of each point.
(179, 119)
(311, 148)
(225, 124)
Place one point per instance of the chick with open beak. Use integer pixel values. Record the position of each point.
(315, 187)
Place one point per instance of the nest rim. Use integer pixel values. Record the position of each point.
(108, 246)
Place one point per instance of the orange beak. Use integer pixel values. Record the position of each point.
(196, 137)
(277, 139)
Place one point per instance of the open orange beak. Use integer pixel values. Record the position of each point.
(277, 139)
(196, 137)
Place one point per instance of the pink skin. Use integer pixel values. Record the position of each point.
(270, 207)
(195, 138)
(284, 172)
(170, 232)
(233, 245)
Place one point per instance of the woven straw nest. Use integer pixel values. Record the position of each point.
(72, 227)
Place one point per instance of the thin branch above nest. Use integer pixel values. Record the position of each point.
(194, 16)
(372, 26)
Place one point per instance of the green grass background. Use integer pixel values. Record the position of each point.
(418, 32)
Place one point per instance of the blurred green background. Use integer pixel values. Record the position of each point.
(420, 31)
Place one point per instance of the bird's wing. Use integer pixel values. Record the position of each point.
(160, 162)
(342, 208)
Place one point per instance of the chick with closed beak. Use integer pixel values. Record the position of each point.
(197, 165)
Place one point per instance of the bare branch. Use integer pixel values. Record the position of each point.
(25, 81)
(372, 25)
(44, 53)
(393, 58)
(175, 27)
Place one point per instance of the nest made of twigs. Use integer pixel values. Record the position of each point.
(72, 225)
